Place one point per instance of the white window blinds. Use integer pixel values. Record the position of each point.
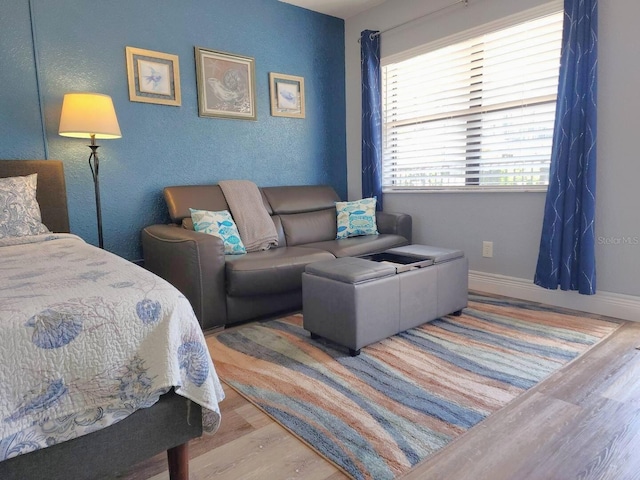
(478, 113)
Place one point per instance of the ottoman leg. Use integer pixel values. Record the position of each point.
(354, 353)
(457, 313)
(314, 336)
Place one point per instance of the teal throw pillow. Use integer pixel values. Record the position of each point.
(356, 218)
(221, 225)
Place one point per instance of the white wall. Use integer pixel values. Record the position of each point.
(513, 220)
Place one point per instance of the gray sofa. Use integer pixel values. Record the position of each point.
(225, 289)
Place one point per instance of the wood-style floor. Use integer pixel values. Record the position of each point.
(581, 423)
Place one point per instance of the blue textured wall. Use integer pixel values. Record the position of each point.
(80, 46)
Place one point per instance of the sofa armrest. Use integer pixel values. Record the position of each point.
(395, 223)
(194, 263)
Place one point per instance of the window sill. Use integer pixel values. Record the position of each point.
(530, 189)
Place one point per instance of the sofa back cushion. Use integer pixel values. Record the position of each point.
(307, 212)
(300, 199)
(200, 197)
(282, 239)
(309, 227)
(301, 214)
(187, 223)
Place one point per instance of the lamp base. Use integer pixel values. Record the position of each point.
(94, 165)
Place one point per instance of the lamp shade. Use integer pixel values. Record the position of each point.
(88, 114)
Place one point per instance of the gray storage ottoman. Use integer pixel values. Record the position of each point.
(451, 283)
(358, 301)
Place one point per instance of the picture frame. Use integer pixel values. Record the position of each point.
(226, 85)
(153, 77)
(287, 95)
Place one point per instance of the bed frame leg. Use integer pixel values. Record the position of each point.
(178, 458)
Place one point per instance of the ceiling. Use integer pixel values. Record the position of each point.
(336, 8)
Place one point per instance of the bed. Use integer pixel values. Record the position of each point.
(102, 363)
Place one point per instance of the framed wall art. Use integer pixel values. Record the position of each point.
(154, 77)
(226, 85)
(287, 95)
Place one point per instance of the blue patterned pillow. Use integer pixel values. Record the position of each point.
(19, 209)
(356, 218)
(221, 225)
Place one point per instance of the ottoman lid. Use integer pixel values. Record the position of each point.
(350, 269)
(437, 254)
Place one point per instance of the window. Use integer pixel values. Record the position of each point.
(478, 113)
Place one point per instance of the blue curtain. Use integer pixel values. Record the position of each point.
(371, 116)
(567, 245)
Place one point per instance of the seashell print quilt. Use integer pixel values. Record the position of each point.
(86, 339)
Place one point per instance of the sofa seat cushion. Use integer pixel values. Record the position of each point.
(276, 270)
(355, 246)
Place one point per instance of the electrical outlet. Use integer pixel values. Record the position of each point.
(487, 249)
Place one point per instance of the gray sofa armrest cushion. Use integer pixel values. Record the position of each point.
(194, 263)
(395, 223)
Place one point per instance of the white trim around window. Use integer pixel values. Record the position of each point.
(474, 111)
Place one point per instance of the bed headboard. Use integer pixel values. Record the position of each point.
(51, 193)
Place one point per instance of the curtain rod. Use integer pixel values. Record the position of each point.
(466, 4)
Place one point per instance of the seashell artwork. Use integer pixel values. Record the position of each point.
(148, 311)
(194, 359)
(40, 400)
(52, 329)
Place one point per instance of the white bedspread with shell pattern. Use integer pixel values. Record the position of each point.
(87, 338)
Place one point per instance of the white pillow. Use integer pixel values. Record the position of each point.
(19, 209)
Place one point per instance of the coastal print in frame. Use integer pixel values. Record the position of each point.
(287, 95)
(226, 85)
(154, 77)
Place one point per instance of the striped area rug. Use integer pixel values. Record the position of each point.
(377, 415)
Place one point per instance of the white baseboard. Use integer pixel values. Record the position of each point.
(626, 307)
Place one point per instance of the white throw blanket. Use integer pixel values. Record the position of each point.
(255, 226)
